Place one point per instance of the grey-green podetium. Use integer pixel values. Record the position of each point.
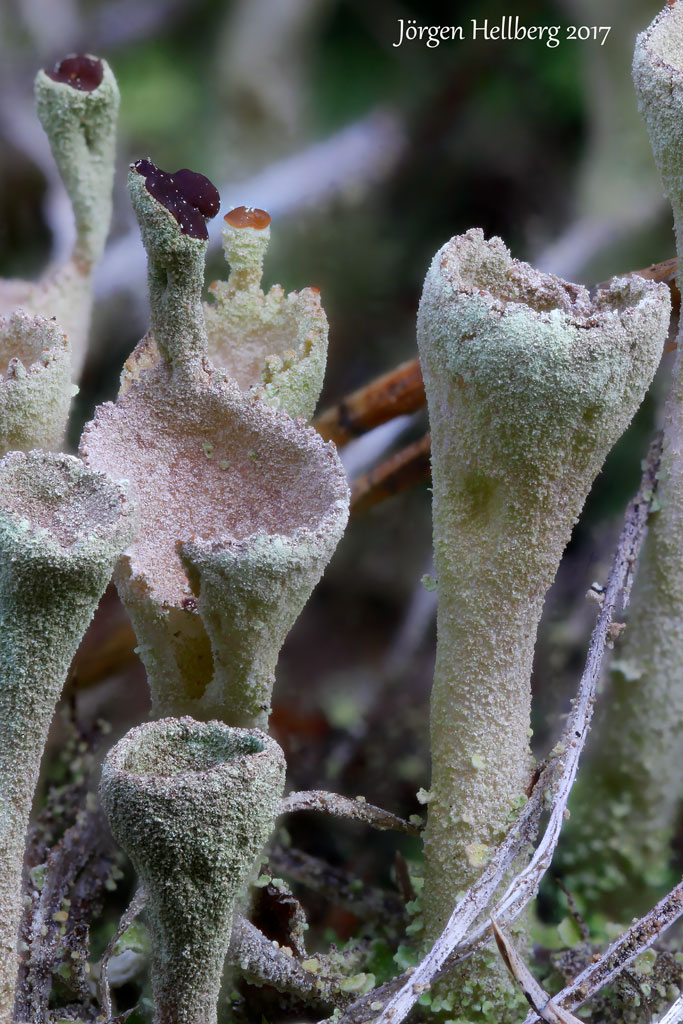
(241, 506)
(192, 804)
(78, 102)
(62, 528)
(529, 383)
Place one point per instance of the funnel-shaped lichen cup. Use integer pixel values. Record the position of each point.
(62, 528)
(193, 805)
(529, 382)
(241, 506)
(36, 390)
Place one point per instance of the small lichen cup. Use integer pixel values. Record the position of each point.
(36, 390)
(62, 528)
(241, 506)
(529, 383)
(193, 805)
(273, 345)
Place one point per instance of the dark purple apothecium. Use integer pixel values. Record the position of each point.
(83, 73)
(189, 196)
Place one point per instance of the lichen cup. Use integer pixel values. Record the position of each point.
(241, 506)
(192, 804)
(62, 528)
(77, 102)
(36, 389)
(529, 383)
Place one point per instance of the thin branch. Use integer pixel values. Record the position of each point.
(559, 773)
(263, 962)
(395, 393)
(399, 472)
(338, 886)
(64, 863)
(346, 807)
(536, 996)
(135, 907)
(639, 937)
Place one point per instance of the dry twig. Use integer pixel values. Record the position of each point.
(263, 962)
(536, 996)
(674, 1014)
(399, 472)
(64, 864)
(338, 886)
(395, 393)
(346, 807)
(639, 937)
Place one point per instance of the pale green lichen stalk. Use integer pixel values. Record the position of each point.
(81, 126)
(36, 391)
(273, 344)
(250, 594)
(241, 506)
(635, 776)
(62, 527)
(529, 383)
(192, 804)
(175, 275)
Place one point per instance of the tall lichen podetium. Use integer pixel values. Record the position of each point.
(529, 383)
(62, 528)
(192, 804)
(78, 102)
(624, 816)
(241, 506)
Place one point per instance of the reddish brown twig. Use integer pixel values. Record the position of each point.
(393, 394)
(400, 471)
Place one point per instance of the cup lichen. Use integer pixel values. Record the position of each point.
(36, 391)
(192, 804)
(272, 344)
(62, 528)
(529, 383)
(246, 502)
